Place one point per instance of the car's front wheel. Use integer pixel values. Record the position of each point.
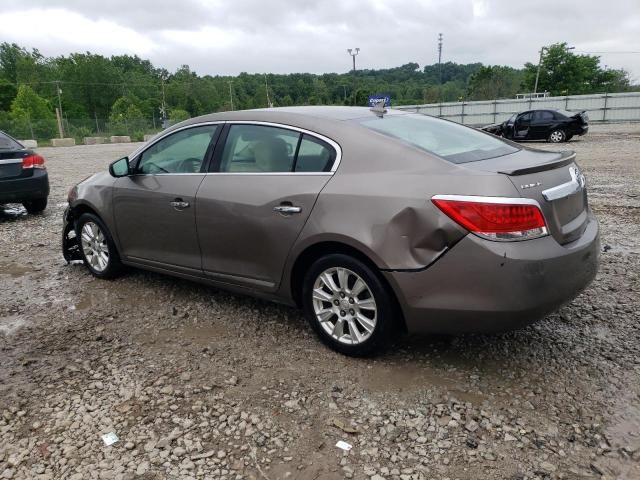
(348, 305)
(98, 250)
(35, 206)
(557, 136)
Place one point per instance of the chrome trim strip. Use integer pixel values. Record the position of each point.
(205, 174)
(10, 161)
(331, 142)
(482, 199)
(567, 189)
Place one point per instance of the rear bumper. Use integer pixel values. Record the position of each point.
(483, 286)
(22, 189)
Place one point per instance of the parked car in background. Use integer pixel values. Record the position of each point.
(551, 125)
(369, 220)
(23, 176)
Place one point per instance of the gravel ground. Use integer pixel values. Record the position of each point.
(199, 383)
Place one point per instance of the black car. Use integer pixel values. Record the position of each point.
(23, 176)
(551, 125)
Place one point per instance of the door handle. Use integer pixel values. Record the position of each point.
(287, 209)
(179, 204)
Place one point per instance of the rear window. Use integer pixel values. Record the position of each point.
(8, 143)
(448, 140)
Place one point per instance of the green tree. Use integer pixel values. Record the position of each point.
(8, 92)
(176, 115)
(563, 72)
(32, 115)
(126, 117)
(492, 82)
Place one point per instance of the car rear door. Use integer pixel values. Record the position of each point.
(540, 124)
(154, 208)
(252, 207)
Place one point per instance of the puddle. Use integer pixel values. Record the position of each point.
(411, 378)
(14, 270)
(9, 325)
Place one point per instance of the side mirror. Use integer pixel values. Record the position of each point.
(120, 168)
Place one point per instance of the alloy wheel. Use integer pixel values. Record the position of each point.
(556, 136)
(94, 246)
(344, 305)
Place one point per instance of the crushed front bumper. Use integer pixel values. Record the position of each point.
(70, 245)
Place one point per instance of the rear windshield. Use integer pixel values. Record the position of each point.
(448, 140)
(8, 143)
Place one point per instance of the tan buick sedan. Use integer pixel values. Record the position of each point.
(372, 221)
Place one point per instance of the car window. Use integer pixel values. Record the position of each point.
(450, 141)
(259, 148)
(543, 116)
(181, 152)
(525, 117)
(8, 143)
(314, 155)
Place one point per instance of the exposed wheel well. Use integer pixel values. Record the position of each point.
(314, 252)
(82, 208)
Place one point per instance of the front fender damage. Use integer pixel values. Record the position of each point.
(70, 244)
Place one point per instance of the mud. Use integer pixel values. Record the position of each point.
(200, 383)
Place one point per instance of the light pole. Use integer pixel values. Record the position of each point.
(231, 95)
(354, 53)
(535, 87)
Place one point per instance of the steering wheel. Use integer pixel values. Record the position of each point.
(190, 165)
(157, 167)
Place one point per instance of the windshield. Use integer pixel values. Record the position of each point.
(8, 143)
(451, 141)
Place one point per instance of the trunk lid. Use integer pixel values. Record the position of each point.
(11, 163)
(554, 180)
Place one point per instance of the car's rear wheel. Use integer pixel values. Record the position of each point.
(98, 250)
(557, 136)
(348, 305)
(35, 206)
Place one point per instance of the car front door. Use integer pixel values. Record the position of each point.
(250, 211)
(154, 208)
(522, 125)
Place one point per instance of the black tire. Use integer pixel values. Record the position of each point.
(381, 332)
(35, 206)
(113, 267)
(557, 136)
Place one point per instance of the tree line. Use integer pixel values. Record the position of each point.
(125, 94)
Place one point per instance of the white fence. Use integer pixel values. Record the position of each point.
(603, 107)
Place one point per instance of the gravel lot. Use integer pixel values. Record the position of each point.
(199, 383)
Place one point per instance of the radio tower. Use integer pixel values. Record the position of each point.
(440, 56)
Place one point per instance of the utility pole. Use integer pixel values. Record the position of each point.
(60, 117)
(440, 57)
(266, 87)
(535, 87)
(231, 95)
(163, 107)
(354, 53)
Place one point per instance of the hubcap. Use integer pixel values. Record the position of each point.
(344, 305)
(94, 246)
(556, 137)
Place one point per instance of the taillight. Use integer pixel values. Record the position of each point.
(495, 218)
(33, 161)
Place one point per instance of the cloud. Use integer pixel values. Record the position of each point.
(227, 37)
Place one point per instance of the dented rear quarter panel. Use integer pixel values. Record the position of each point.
(379, 202)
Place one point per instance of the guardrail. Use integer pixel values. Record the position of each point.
(604, 107)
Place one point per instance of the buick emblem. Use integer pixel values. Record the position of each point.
(578, 176)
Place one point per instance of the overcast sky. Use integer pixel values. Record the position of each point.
(231, 36)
